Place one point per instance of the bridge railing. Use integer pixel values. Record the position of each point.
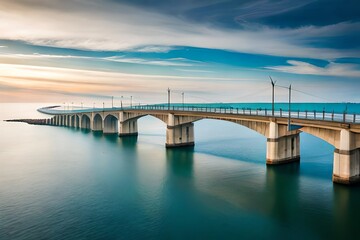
(296, 114)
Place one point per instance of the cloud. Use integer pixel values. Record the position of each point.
(105, 83)
(332, 69)
(159, 62)
(153, 49)
(101, 26)
(41, 56)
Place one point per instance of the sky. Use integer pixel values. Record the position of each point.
(72, 51)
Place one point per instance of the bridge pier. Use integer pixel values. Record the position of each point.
(180, 135)
(128, 124)
(346, 167)
(128, 128)
(179, 131)
(282, 146)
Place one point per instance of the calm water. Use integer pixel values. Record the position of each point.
(61, 183)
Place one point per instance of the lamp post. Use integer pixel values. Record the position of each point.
(289, 119)
(272, 96)
(121, 102)
(182, 99)
(131, 101)
(112, 101)
(168, 98)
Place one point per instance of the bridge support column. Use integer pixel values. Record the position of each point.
(128, 128)
(346, 167)
(180, 135)
(179, 131)
(282, 149)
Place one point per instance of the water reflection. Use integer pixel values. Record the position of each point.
(180, 161)
(282, 190)
(128, 141)
(346, 211)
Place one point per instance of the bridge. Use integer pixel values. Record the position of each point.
(282, 129)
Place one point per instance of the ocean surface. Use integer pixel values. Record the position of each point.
(64, 183)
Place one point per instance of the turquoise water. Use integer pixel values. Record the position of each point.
(62, 183)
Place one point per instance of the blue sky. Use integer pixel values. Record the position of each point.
(213, 51)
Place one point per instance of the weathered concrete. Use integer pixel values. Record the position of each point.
(346, 167)
(179, 131)
(282, 147)
(180, 135)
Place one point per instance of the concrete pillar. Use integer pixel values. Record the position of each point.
(346, 167)
(179, 135)
(128, 127)
(282, 149)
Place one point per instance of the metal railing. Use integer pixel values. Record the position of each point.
(296, 114)
(343, 117)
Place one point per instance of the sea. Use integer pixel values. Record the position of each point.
(65, 183)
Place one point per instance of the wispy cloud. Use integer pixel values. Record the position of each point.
(91, 82)
(153, 49)
(114, 26)
(332, 69)
(159, 62)
(41, 56)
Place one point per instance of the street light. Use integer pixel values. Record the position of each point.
(182, 98)
(273, 94)
(131, 101)
(121, 102)
(168, 98)
(289, 119)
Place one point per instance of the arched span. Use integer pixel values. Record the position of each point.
(68, 120)
(72, 121)
(97, 123)
(62, 120)
(260, 127)
(162, 117)
(85, 122)
(77, 121)
(328, 135)
(111, 124)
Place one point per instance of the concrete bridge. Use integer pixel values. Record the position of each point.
(283, 139)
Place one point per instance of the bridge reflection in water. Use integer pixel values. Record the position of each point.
(282, 129)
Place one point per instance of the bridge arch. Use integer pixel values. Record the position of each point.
(72, 121)
(328, 135)
(68, 120)
(97, 122)
(85, 121)
(111, 124)
(77, 121)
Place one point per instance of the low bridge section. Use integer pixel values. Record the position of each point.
(283, 139)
